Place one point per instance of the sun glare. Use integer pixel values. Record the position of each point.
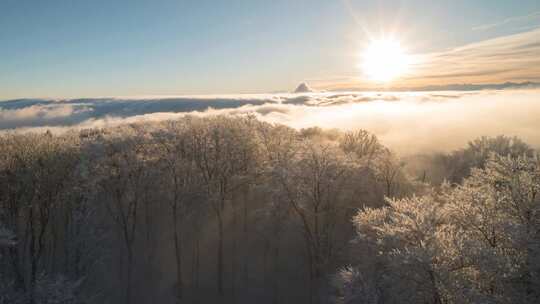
(384, 60)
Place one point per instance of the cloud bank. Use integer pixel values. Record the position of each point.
(409, 122)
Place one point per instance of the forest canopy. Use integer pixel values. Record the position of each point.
(230, 209)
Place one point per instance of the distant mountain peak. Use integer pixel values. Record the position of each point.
(303, 88)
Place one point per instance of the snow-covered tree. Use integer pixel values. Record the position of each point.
(472, 244)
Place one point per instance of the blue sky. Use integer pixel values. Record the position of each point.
(74, 48)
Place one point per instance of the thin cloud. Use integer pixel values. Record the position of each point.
(523, 18)
(515, 58)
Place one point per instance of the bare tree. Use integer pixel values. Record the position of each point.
(124, 177)
(38, 173)
(313, 183)
(183, 182)
(222, 152)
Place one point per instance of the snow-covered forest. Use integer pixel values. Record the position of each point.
(224, 209)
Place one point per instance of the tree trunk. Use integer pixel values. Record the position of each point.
(220, 269)
(246, 242)
(195, 269)
(178, 257)
(33, 256)
(275, 280)
(128, 278)
(233, 253)
(19, 279)
(265, 258)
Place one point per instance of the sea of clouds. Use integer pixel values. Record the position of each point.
(408, 122)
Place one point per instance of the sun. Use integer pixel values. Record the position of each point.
(384, 60)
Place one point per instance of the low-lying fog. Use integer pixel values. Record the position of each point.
(407, 122)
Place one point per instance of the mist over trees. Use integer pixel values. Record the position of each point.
(228, 209)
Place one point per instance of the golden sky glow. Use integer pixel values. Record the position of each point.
(121, 48)
(386, 62)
